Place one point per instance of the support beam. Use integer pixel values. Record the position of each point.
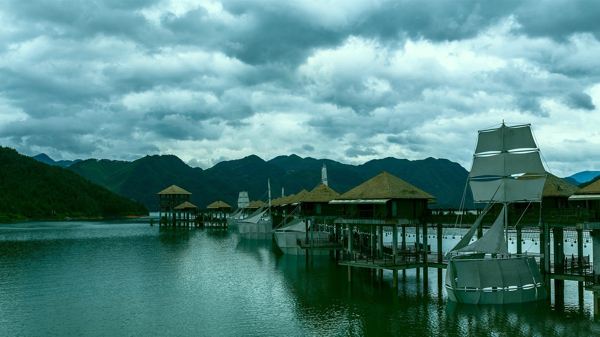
(395, 243)
(519, 240)
(425, 242)
(596, 256)
(439, 242)
(559, 267)
(380, 241)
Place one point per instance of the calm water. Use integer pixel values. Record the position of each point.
(130, 279)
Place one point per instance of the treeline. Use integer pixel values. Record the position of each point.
(30, 189)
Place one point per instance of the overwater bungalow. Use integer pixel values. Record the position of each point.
(218, 210)
(168, 200)
(588, 198)
(383, 201)
(316, 203)
(185, 214)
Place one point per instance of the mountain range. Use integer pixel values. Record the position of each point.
(142, 179)
(582, 177)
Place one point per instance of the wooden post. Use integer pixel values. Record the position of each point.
(559, 267)
(425, 241)
(395, 245)
(380, 242)
(418, 244)
(439, 242)
(519, 240)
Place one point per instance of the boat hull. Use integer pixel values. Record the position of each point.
(256, 231)
(494, 280)
(288, 242)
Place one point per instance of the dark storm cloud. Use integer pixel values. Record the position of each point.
(433, 20)
(119, 77)
(580, 100)
(307, 147)
(559, 19)
(357, 151)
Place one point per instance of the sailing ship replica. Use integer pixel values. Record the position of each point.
(243, 202)
(506, 169)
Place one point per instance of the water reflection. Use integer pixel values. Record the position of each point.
(140, 280)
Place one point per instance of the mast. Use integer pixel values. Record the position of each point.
(505, 203)
(269, 187)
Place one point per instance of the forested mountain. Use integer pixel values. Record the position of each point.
(42, 157)
(31, 189)
(144, 178)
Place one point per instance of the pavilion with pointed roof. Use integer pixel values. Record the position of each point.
(168, 200)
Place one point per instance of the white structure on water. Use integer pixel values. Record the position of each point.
(506, 169)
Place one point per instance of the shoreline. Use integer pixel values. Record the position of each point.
(83, 218)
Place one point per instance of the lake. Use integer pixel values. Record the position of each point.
(126, 278)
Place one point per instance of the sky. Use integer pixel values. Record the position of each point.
(346, 80)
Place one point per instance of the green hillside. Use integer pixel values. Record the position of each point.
(144, 178)
(31, 189)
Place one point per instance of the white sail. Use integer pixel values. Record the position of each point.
(254, 219)
(507, 159)
(492, 241)
(243, 200)
(505, 138)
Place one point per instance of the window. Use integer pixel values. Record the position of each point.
(394, 209)
(318, 208)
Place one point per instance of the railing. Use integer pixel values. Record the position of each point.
(320, 242)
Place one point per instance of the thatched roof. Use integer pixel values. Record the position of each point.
(275, 202)
(256, 204)
(299, 197)
(185, 205)
(593, 188)
(556, 187)
(218, 204)
(321, 193)
(173, 189)
(385, 186)
(285, 200)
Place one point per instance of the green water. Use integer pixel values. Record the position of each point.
(130, 279)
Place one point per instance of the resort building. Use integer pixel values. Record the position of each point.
(168, 200)
(384, 201)
(218, 210)
(588, 198)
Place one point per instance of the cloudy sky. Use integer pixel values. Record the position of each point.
(347, 80)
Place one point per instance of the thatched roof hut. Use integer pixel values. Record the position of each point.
(384, 197)
(257, 204)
